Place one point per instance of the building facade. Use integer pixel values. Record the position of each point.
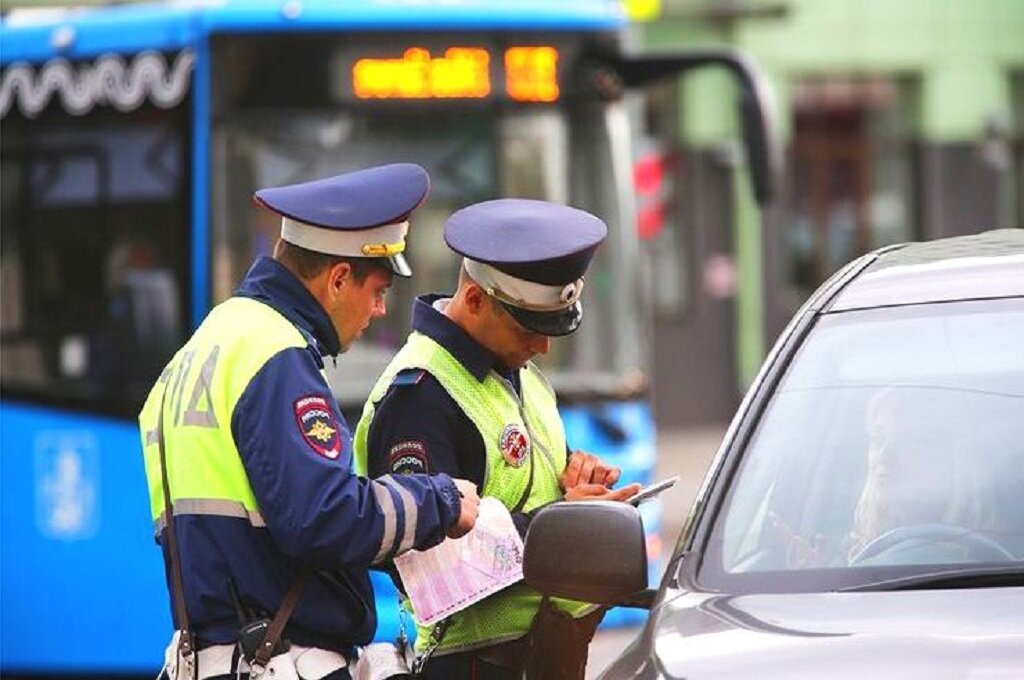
(899, 121)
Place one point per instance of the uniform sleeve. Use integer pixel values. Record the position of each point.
(417, 427)
(297, 453)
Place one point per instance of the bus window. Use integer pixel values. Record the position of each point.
(94, 256)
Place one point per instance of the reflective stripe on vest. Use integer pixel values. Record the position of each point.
(202, 506)
(493, 406)
(203, 383)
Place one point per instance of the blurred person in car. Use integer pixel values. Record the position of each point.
(921, 467)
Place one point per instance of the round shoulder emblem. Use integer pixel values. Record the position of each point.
(514, 444)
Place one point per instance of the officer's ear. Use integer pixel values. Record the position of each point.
(476, 298)
(339, 275)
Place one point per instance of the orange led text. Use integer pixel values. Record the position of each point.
(531, 74)
(463, 72)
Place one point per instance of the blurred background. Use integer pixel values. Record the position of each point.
(898, 123)
(133, 135)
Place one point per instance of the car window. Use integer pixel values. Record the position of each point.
(895, 440)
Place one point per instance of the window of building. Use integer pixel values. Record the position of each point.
(851, 165)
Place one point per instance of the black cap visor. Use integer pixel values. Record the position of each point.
(553, 324)
(398, 264)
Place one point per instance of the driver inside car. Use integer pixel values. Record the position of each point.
(920, 485)
(920, 473)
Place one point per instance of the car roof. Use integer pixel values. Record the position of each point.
(979, 266)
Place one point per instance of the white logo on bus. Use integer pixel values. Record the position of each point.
(109, 80)
(67, 485)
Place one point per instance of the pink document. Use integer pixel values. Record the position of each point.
(459, 572)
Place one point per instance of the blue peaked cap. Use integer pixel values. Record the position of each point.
(357, 214)
(533, 242)
(356, 200)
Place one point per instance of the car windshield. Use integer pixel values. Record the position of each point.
(893, 446)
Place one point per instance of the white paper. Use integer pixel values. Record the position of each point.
(460, 572)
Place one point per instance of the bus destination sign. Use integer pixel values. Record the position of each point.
(529, 74)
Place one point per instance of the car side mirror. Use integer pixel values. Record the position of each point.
(593, 551)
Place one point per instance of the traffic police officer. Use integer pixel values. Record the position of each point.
(258, 455)
(463, 397)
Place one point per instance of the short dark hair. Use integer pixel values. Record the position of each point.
(308, 264)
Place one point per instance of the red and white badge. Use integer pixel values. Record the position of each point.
(514, 444)
(318, 426)
(408, 457)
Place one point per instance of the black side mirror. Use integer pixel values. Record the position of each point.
(593, 551)
(756, 105)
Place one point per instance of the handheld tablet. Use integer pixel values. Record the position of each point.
(650, 492)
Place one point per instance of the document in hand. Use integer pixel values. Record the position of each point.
(459, 572)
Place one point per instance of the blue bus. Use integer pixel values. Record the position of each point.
(133, 137)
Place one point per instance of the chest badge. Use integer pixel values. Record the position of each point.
(514, 444)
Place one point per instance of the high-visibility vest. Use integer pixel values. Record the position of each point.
(502, 419)
(202, 384)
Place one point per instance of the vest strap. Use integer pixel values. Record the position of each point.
(529, 487)
(186, 643)
(269, 645)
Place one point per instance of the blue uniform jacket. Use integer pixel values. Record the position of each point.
(317, 511)
(418, 427)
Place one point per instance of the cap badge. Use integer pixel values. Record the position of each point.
(571, 292)
(514, 444)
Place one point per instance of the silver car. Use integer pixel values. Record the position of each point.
(864, 517)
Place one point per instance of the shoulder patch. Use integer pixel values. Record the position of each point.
(408, 457)
(410, 376)
(318, 426)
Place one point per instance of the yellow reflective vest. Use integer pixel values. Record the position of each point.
(502, 419)
(204, 468)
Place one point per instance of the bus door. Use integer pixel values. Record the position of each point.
(95, 275)
(685, 217)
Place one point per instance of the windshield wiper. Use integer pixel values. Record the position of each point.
(984, 577)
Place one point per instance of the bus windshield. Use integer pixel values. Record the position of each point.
(476, 152)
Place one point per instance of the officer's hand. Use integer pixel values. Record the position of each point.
(470, 508)
(586, 468)
(599, 492)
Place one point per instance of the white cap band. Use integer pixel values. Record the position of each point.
(521, 293)
(382, 241)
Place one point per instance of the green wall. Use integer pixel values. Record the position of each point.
(961, 51)
(960, 54)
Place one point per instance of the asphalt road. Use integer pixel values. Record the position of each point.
(686, 453)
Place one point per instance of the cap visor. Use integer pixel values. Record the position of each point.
(399, 265)
(552, 324)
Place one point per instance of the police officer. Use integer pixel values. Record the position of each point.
(258, 455)
(463, 397)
